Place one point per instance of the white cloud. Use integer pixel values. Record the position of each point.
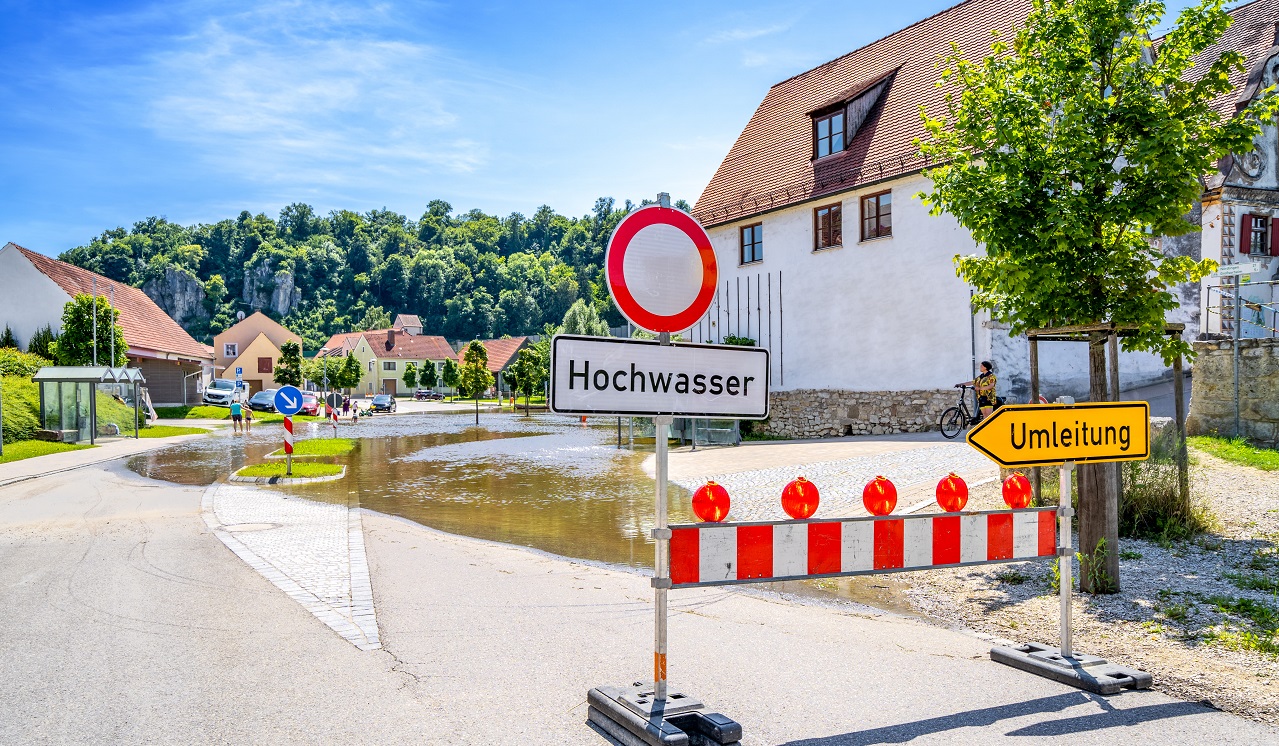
(291, 93)
(745, 34)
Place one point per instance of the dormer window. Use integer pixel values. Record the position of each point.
(828, 134)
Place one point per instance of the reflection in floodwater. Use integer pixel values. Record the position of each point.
(548, 483)
(544, 483)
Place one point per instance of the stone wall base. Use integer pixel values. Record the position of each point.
(829, 413)
(1212, 392)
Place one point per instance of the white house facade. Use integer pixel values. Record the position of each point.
(829, 259)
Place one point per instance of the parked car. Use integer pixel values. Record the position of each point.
(263, 401)
(427, 395)
(219, 392)
(383, 403)
(310, 404)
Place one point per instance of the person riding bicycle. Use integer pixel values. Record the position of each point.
(984, 384)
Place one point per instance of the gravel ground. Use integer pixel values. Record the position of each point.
(1163, 621)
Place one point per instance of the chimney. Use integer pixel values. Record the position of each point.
(390, 340)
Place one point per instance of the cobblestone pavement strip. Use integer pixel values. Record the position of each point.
(312, 551)
(756, 493)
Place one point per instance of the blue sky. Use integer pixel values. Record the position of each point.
(116, 111)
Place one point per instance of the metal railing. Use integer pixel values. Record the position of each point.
(1257, 318)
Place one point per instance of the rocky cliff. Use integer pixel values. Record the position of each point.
(272, 290)
(179, 294)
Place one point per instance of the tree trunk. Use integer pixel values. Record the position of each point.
(1098, 496)
(477, 411)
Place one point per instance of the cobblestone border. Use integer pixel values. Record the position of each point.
(361, 629)
(285, 481)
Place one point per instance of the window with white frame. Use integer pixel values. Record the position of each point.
(230, 349)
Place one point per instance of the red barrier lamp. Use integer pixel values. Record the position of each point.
(879, 496)
(1017, 490)
(799, 499)
(710, 502)
(952, 493)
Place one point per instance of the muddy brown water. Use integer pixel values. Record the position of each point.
(546, 482)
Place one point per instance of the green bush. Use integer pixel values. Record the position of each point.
(115, 412)
(17, 363)
(1151, 506)
(20, 399)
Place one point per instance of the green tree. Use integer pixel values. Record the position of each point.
(474, 377)
(75, 345)
(410, 375)
(451, 373)
(583, 318)
(41, 343)
(527, 375)
(345, 372)
(427, 377)
(288, 372)
(375, 318)
(1063, 153)
(7, 339)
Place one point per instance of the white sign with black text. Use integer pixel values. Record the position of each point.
(609, 376)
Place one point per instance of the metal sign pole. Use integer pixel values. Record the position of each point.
(662, 543)
(1238, 323)
(1064, 513)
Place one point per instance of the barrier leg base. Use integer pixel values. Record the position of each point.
(1086, 672)
(630, 716)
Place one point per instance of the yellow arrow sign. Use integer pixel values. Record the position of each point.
(1046, 434)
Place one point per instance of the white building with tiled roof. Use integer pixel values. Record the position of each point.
(829, 259)
(35, 288)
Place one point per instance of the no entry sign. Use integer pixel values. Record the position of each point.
(661, 269)
(601, 375)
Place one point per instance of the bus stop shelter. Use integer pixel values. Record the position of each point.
(69, 398)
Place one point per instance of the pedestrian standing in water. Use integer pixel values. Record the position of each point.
(237, 414)
(248, 419)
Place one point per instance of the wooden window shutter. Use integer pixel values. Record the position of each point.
(1274, 236)
(1245, 233)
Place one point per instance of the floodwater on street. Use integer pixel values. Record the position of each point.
(548, 482)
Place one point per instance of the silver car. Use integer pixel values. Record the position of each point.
(219, 392)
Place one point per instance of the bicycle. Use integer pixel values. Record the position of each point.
(957, 419)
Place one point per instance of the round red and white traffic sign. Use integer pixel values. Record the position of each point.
(661, 269)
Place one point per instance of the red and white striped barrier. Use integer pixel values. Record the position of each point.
(730, 553)
(288, 435)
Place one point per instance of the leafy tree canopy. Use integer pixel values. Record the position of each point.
(75, 345)
(1073, 145)
(465, 274)
(288, 372)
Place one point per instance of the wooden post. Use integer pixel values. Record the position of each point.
(1179, 410)
(1098, 499)
(1034, 399)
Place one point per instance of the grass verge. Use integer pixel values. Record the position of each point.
(320, 447)
(1256, 628)
(168, 431)
(1237, 451)
(300, 469)
(24, 449)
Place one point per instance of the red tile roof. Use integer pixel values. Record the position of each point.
(771, 166)
(502, 351)
(1253, 35)
(409, 346)
(145, 326)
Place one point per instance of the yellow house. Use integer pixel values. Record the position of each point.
(253, 347)
(383, 354)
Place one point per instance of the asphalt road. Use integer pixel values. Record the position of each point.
(126, 621)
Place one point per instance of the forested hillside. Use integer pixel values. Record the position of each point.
(469, 275)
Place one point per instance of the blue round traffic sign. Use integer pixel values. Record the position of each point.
(288, 400)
